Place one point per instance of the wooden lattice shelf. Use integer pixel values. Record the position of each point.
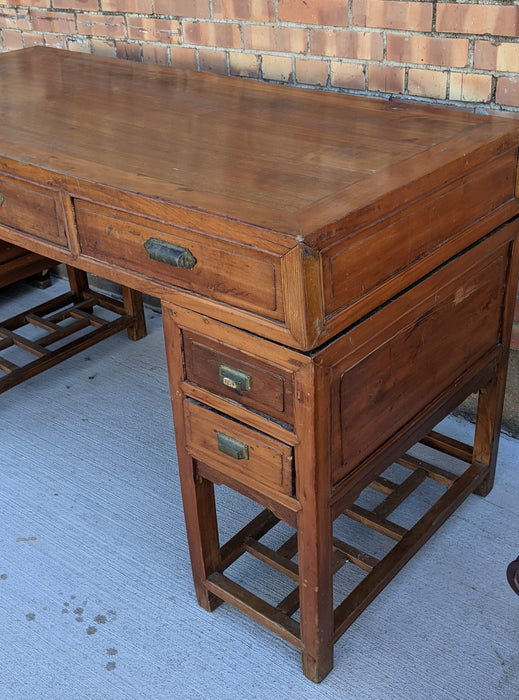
(78, 318)
(377, 572)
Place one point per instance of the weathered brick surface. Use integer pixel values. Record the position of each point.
(478, 19)
(403, 48)
(393, 14)
(253, 10)
(311, 72)
(212, 34)
(212, 61)
(351, 76)
(470, 87)
(244, 64)
(166, 31)
(497, 56)
(427, 83)
(507, 92)
(102, 25)
(145, 7)
(332, 12)
(386, 79)
(277, 68)
(463, 52)
(261, 37)
(342, 44)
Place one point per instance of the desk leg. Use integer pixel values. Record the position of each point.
(491, 397)
(202, 531)
(488, 426)
(197, 493)
(134, 307)
(314, 524)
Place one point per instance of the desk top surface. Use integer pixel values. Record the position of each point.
(287, 159)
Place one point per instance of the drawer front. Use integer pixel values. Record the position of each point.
(232, 449)
(31, 209)
(205, 264)
(227, 372)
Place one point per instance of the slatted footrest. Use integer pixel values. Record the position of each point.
(376, 570)
(66, 325)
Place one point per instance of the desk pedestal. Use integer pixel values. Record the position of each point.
(321, 439)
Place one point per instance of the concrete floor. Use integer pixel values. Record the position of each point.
(96, 599)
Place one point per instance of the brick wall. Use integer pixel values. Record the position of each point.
(463, 52)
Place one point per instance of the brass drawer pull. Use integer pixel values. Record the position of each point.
(232, 447)
(235, 378)
(169, 253)
(1, 199)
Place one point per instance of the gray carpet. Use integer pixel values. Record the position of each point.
(96, 598)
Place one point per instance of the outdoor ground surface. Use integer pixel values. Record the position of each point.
(96, 598)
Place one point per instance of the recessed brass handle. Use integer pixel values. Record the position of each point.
(232, 447)
(234, 378)
(1, 199)
(169, 253)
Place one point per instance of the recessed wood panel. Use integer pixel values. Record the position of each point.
(366, 260)
(31, 209)
(439, 339)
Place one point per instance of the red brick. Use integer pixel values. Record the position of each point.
(332, 13)
(103, 47)
(348, 75)
(32, 39)
(55, 41)
(277, 68)
(507, 91)
(85, 5)
(212, 61)
(311, 72)
(12, 39)
(198, 9)
(212, 34)
(427, 50)
(490, 55)
(55, 22)
(131, 51)
(183, 58)
(251, 10)
(470, 87)
(477, 19)
(244, 64)
(386, 79)
(393, 14)
(427, 83)
(344, 44)
(79, 44)
(34, 3)
(165, 31)
(151, 53)
(102, 25)
(15, 19)
(263, 38)
(144, 7)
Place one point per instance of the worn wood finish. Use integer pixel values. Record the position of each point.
(292, 205)
(336, 275)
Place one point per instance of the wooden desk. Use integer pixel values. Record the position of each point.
(337, 274)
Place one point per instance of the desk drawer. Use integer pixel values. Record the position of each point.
(31, 209)
(253, 382)
(212, 266)
(238, 452)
